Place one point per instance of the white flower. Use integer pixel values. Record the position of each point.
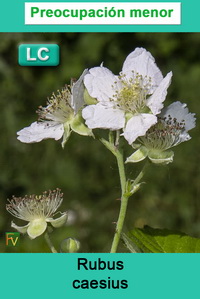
(172, 128)
(61, 116)
(131, 100)
(37, 210)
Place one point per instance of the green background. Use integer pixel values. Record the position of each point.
(85, 171)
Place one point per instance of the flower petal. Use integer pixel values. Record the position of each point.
(39, 131)
(36, 228)
(98, 116)
(138, 125)
(21, 229)
(138, 155)
(58, 222)
(77, 101)
(180, 111)
(102, 84)
(142, 62)
(155, 102)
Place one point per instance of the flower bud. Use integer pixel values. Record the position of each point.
(70, 245)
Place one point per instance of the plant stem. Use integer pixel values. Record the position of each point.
(124, 201)
(114, 148)
(124, 198)
(49, 243)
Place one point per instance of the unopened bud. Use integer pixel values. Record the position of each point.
(70, 245)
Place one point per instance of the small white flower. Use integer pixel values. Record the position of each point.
(38, 211)
(131, 100)
(61, 116)
(172, 128)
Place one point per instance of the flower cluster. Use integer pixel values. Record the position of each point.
(131, 102)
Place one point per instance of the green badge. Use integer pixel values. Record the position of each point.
(38, 55)
(12, 239)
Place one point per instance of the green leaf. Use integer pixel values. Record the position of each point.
(150, 240)
(131, 246)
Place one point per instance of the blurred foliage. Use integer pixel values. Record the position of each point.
(85, 171)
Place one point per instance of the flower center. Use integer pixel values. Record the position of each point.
(163, 135)
(35, 207)
(58, 107)
(132, 96)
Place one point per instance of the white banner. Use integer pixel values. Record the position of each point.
(102, 13)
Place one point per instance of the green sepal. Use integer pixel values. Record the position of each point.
(36, 228)
(78, 126)
(161, 157)
(66, 134)
(21, 229)
(146, 110)
(128, 115)
(138, 155)
(88, 99)
(58, 222)
(131, 188)
(136, 145)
